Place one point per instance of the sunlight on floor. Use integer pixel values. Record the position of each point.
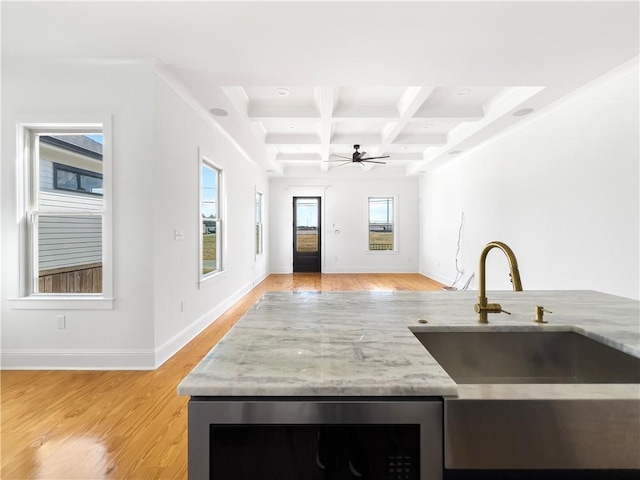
(74, 458)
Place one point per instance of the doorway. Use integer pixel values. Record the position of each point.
(306, 234)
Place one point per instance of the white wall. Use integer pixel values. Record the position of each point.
(121, 337)
(562, 191)
(180, 133)
(345, 208)
(155, 172)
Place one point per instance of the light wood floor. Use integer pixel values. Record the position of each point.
(131, 424)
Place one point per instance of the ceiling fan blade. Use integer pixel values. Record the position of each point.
(360, 155)
(373, 158)
(373, 161)
(343, 164)
(340, 156)
(330, 161)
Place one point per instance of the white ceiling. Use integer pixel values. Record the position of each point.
(413, 80)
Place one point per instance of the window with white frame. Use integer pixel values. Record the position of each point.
(211, 214)
(381, 224)
(65, 211)
(259, 226)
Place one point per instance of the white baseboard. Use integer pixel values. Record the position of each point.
(276, 271)
(258, 280)
(370, 270)
(443, 280)
(165, 351)
(437, 277)
(142, 359)
(60, 359)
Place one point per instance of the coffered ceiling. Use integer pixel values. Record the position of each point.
(300, 81)
(311, 125)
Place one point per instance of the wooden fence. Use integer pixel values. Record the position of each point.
(79, 279)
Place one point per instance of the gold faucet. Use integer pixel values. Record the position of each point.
(483, 308)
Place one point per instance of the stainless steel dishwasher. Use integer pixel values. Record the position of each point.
(315, 438)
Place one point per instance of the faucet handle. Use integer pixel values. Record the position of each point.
(490, 308)
(540, 311)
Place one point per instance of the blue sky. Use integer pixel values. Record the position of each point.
(96, 137)
(380, 210)
(209, 191)
(307, 213)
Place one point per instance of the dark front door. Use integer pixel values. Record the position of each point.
(306, 234)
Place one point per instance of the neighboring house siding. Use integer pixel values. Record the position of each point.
(46, 175)
(69, 241)
(66, 241)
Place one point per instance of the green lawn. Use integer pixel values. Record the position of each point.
(308, 242)
(208, 251)
(380, 240)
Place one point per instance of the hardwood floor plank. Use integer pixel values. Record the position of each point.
(131, 424)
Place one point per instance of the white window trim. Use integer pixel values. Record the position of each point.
(261, 222)
(395, 250)
(26, 130)
(206, 279)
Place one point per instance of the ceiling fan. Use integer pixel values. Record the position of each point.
(357, 157)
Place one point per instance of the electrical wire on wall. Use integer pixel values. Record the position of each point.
(459, 272)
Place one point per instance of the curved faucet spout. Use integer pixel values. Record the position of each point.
(483, 307)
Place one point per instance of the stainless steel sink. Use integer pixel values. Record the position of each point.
(530, 428)
(497, 357)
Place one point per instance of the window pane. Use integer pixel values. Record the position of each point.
(209, 192)
(307, 225)
(381, 223)
(66, 180)
(258, 223)
(90, 184)
(69, 253)
(210, 221)
(209, 246)
(70, 166)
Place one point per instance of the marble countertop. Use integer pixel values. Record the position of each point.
(360, 344)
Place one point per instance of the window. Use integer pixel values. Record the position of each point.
(211, 213)
(76, 180)
(66, 222)
(259, 228)
(382, 235)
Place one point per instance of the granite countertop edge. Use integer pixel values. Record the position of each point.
(355, 344)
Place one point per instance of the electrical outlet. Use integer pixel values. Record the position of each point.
(62, 321)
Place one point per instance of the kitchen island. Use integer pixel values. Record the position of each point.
(361, 345)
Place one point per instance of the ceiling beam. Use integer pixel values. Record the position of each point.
(411, 100)
(326, 99)
(298, 157)
(422, 139)
(282, 112)
(449, 114)
(292, 139)
(382, 113)
(497, 116)
(367, 141)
